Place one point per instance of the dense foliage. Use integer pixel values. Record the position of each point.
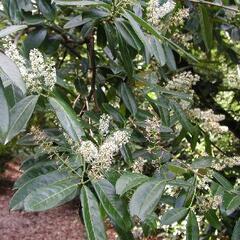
(131, 106)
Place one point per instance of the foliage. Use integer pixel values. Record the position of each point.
(135, 102)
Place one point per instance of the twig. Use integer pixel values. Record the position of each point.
(215, 4)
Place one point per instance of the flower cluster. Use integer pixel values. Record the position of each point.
(41, 74)
(225, 162)
(179, 17)
(153, 128)
(206, 202)
(104, 124)
(183, 82)
(210, 120)
(156, 11)
(138, 165)
(101, 158)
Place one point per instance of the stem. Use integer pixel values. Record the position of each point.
(215, 4)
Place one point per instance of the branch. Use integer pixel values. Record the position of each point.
(215, 4)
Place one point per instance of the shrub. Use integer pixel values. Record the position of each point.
(133, 110)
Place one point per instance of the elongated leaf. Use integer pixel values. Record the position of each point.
(192, 227)
(201, 163)
(47, 8)
(212, 218)
(128, 98)
(20, 115)
(4, 113)
(234, 203)
(51, 196)
(114, 207)
(134, 18)
(82, 3)
(182, 117)
(91, 215)
(222, 180)
(173, 215)
(35, 171)
(146, 198)
(206, 27)
(67, 118)
(236, 231)
(128, 34)
(16, 202)
(129, 181)
(10, 72)
(11, 29)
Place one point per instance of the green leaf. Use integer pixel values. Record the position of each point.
(146, 198)
(10, 72)
(51, 196)
(117, 116)
(16, 202)
(114, 207)
(222, 180)
(128, 98)
(182, 117)
(213, 219)
(233, 204)
(67, 118)
(129, 181)
(4, 113)
(11, 29)
(173, 215)
(128, 34)
(236, 231)
(206, 27)
(35, 171)
(134, 19)
(192, 227)
(20, 115)
(202, 162)
(176, 168)
(91, 215)
(158, 51)
(82, 3)
(138, 31)
(46, 8)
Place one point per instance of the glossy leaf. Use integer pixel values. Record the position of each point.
(192, 227)
(4, 113)
(10, 72)
(11, 29)
(128, 98)
(112, 204)
(146, 198)
(129, 181)
(16, 202)
(50, 196)
(174, 215)
(67, 118)
(236, 231)
(92, 216)
(20, 115)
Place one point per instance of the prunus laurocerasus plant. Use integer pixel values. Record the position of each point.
(130, 106)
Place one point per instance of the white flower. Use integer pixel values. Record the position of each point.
(104, 124)
(156, 11)
(138, 165)
(89, 151)
(39, 75)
